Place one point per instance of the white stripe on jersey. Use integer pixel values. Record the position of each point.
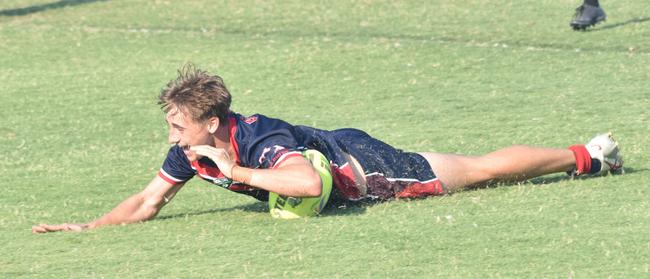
(401, 179)
(206, 176)
(169, 176)
(284, 156)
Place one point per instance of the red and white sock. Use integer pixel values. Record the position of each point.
(584, 162)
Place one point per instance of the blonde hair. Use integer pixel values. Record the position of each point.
(197, 93)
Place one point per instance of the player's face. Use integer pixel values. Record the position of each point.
(185, 132)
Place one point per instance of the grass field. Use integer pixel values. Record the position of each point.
(80, 131)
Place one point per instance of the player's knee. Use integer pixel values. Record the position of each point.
(496, 165)
(493, 168)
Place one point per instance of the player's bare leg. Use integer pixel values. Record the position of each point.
(515, 163)
(520, 162)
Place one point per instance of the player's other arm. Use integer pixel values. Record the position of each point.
(140, 207)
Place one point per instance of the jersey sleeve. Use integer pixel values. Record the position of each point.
(269, 151)
(176, 168)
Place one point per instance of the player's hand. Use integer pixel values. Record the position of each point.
(45, 228)
(218, 155)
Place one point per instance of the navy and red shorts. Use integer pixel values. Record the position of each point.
(389, 172)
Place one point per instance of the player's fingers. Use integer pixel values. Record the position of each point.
(206, 149)
(52, 228)
(199, 147)
(73, 227)
(38, 229)
(204, 153)
(203, 150)
(209, 151)
(41, 228)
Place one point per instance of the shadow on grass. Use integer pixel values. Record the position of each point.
(554, 179)
(544, 180)
(346, 208)
(251, 207)
(332, 209)
(45, 7)
(616, 25)
(343, 208)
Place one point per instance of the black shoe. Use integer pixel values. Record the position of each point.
(587, 15)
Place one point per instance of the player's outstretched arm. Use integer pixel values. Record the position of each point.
(140, 207)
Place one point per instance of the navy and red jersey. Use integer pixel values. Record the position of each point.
(263, 142)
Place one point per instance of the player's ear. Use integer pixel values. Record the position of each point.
(213, 124)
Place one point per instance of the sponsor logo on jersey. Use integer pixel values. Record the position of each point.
(249, 120)
(276, 150)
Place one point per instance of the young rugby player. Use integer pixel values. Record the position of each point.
(255, 155)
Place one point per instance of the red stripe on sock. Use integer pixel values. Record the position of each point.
(583, 159)
(420, 190)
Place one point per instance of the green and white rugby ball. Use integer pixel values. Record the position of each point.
(291, 207)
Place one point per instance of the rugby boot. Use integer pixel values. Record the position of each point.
(586, 16)
(604, 148)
